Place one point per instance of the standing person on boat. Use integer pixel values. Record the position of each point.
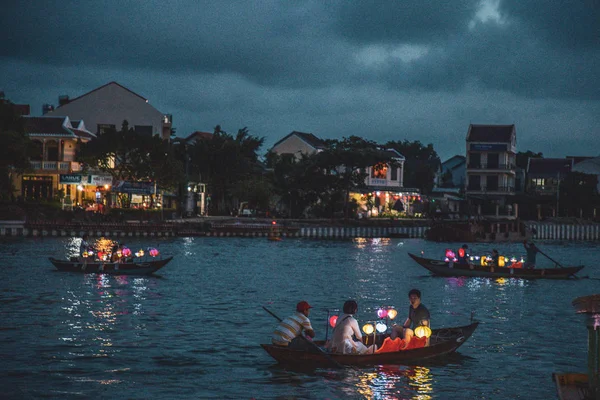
(418, 315)
(532, 251)
(463, 255)
(289, 330)
(495, 257)
(84, 245)
(347, 338)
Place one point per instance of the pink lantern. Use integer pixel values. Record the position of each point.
(382, 313)
(333, 320)
(153, 252)
(126, 252)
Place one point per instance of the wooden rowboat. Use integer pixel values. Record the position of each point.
(442, 341)
(442, 268)
(120, 268)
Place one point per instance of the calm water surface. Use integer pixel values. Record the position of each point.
(193, 332)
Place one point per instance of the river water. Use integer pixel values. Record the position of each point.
(193, 331)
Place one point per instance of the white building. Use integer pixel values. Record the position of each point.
(108, 106)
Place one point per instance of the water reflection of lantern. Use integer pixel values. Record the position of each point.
(126, 252)
(381, 327)
(368, 329)
(153, 252)
(333, 320)
(382, 313)
(391, 313)
(422, 331)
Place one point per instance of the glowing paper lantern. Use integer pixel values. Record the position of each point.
(126, 252)
(368, 329)
(333, 320)
(381, 327)
(422, 331)
(100, 255)
(382, 313)
(391, 313)
(140, 253)
(153, 252)
(85, 254)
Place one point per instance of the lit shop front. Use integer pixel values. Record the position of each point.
(380, 203)
(84, 190)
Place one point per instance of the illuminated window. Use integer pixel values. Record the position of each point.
(379, 171)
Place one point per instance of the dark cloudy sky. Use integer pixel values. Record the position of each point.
(382, 70)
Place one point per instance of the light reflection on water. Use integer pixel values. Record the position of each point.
(197, 325)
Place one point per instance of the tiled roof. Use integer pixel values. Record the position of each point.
(199, 135)
(392, 153)
(46, 125)
(490, 133)
(83, 134)
(102, 87)
(454, 162)
(549, 166)
(309, 138)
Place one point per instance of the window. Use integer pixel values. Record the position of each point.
(394, 176)
(145, 130)
(102, 128)
(379, 171)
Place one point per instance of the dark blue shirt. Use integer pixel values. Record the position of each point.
(416, 315)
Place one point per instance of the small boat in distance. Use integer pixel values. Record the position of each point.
(141, 267)
(444, 268)
(442, 341)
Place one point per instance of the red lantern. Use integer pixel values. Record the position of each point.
(153, 252)
(100, 255)
(333, 320)
(126, 252)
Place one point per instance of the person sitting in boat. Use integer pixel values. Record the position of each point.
(347, 338)
(288, 332)
(463, 255)
(495, 258)
(418, 315)
(532, 251)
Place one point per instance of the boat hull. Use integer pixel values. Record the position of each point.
(443, 341)
(91, 267)
(442, 268)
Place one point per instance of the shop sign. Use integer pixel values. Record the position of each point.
(134, 187)
(488, 147)
(99, 180)
(70, 179)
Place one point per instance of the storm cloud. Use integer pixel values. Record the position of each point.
(383, 70)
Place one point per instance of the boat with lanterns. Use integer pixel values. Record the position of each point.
(442, 341)
(426, 344)
(480, 267)
(113, 260)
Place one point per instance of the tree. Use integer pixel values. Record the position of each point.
(523, 158)
(16, 148)
(578, 194)
(421, 165)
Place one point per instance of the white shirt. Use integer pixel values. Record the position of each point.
(342, 341)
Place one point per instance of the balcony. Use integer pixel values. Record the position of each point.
(492, 167)
(55, 166)
(480, 189)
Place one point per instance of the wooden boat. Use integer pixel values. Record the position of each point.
(442, 341)
(119, 268)
(442, 268)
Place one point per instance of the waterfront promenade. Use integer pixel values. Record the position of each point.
(579, 230)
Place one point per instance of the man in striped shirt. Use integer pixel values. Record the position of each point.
(289, 330)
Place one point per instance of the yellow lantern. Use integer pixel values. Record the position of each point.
(85, 254)
(422, 331)
(483, 261)
(501, 261)
(392, 313)
(368, 329)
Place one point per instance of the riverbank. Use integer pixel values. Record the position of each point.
(577, 230)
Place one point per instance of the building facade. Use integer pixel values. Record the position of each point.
(108, 106)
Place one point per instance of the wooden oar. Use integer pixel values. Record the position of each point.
(337, 364)
(549, 258)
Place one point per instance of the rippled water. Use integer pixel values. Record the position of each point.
(194, 331)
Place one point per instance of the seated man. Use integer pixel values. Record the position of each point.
(289, 331)
(418, 315)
